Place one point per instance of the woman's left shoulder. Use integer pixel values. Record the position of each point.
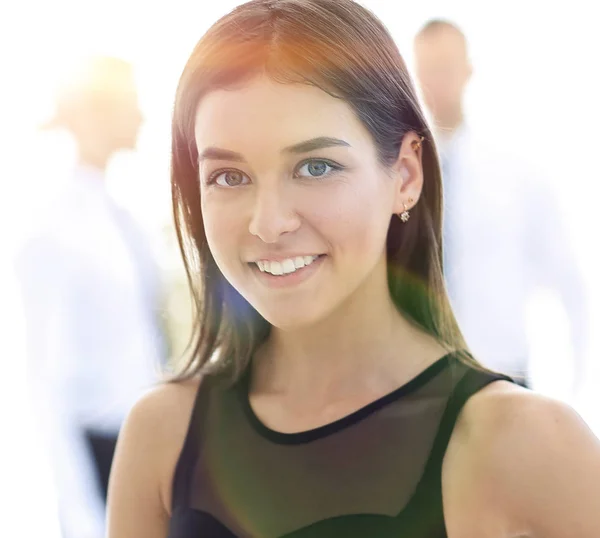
(506, 415)
(536, 456)
(503, 409)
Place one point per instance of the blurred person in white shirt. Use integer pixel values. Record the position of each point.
(25, 472)
(91, 297)
(503, 232)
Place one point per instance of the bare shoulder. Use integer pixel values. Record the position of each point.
(493, 412)
(167, 406)
(156, 429)
(505, 415)
(523, 455)
(139, 497)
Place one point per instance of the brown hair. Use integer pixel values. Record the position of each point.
(434, 25)
(343, 49)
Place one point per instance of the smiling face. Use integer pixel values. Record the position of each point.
(295, 203)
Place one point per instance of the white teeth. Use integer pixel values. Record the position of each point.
(299, 262)
(276, 268)
(285, 267)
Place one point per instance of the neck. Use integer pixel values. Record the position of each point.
(366, 341)
(94, 156)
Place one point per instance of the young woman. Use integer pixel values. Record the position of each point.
(329, 392)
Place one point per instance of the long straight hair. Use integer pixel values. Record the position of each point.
(343, 49)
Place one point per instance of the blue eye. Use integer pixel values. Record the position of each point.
(316, 168)
(229, 178)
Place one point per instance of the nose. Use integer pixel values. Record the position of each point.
(273, 214)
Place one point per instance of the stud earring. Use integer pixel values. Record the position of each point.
(416, 144)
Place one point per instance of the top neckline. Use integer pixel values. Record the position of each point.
(325, 430)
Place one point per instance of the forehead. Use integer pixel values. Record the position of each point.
(440, 44)
(274, 115)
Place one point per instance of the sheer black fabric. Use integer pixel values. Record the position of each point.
(375, 473)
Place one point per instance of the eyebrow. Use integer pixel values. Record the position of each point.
(316, 143)
(321, 142)
(218, 154)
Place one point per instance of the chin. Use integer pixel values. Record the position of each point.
(288, 318)
(131, 145)
(128, 142)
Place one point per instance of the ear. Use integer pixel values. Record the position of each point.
(408, 171)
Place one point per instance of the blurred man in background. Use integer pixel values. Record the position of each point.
(91, 298)
(503, 235)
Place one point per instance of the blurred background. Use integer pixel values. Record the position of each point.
(533, 93)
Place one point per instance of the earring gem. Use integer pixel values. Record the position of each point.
(405, 215)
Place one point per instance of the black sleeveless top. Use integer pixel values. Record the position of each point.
(374, 473)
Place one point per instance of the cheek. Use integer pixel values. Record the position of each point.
(221, 226)
(354, 217)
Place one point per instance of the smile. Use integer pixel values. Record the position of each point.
(286, 266)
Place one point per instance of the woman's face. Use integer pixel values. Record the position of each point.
(295, 204)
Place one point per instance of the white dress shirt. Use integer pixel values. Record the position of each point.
(503, 238)
(27, 489)
(90, 302)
